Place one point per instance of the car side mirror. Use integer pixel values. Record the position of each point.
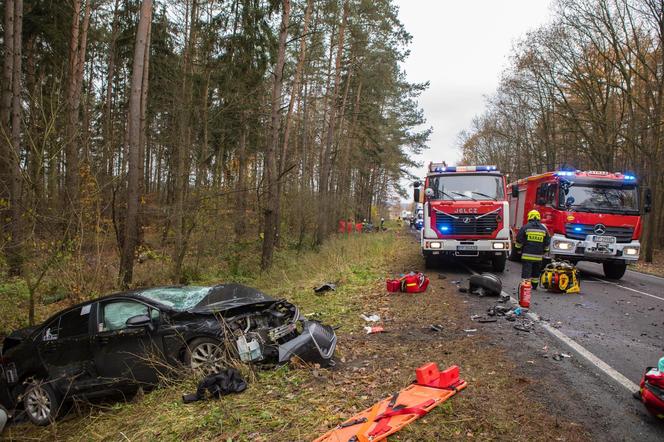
(515, 192)
(647, 200)
(139, 321)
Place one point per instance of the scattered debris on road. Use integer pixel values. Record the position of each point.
(436, 327)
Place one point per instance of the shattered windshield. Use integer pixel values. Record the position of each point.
(178, 298)
(610, 199)
(467, 187)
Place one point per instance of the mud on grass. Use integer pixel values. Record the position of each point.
(300, 403)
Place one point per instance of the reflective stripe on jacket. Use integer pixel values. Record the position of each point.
(533, 239)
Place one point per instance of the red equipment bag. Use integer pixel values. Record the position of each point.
(393, 285)
(652, 392)
(414, 283)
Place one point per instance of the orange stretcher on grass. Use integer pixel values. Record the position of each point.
(388, 416)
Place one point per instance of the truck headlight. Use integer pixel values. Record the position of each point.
(498, 245)
(562, 245)
(434, 245)
(631, 251)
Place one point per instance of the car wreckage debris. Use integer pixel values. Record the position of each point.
(219, 384)
(326, 287)
(486, 284)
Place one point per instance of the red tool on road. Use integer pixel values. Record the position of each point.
(432, 388)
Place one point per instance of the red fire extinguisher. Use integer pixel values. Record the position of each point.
(524, 293)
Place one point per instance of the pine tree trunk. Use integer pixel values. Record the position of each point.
(271, 218)
(141, 52)
(15, 243)
(325, 167)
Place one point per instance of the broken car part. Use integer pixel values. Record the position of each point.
(486, 284)
(328, 286)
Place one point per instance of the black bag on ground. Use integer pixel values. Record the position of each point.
(225, 382)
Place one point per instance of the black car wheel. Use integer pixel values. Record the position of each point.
(205, 355)
(41, 403)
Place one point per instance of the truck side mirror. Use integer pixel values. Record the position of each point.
(515, 192)
(417, 191)
(569, 202)
(647, 200)
(428, 192)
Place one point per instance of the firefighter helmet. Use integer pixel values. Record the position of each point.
(534, 214)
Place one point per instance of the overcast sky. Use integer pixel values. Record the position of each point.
(461, 48)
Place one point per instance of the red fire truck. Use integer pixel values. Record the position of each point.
(465, 214)
(591, 216)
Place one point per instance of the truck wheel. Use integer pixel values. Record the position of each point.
(430, 262)
(614, 269)
(498, 263)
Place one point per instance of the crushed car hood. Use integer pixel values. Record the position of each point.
(228, 296)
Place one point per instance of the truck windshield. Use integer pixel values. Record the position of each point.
(467, 187)
(602, 199)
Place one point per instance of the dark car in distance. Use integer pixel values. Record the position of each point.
(126, 340)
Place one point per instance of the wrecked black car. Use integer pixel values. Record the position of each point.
(126, 340)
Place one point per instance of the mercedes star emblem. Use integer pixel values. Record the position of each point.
(600, 229)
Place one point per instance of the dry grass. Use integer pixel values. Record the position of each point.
(293, 404)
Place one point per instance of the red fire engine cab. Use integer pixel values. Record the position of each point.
(465, 214)
(591, 216)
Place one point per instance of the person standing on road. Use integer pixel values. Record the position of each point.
(533, 239)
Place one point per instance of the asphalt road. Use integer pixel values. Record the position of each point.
(619, 322)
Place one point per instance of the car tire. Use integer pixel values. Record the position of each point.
(206, 355)
(498, 263)
(41, 403)
(490, 283)
(614, 269)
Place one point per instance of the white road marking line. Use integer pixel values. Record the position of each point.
(597, 362)
(628, 288)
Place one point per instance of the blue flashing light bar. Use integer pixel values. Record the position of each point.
(444, 228)
(630, 177)
(446, 169)
(565, 173)
(578, 229)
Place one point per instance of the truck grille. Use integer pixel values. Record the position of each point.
(477, 225)
(580, 231)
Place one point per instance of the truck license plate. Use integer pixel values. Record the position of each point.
(604, 239)
(467, 248)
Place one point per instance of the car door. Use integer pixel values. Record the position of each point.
(64, 345)
(125, 354)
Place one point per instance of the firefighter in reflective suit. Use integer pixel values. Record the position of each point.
(533, 240)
